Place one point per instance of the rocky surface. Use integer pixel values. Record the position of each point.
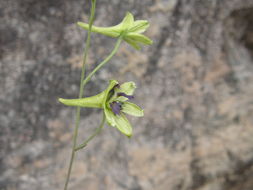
(195, 84)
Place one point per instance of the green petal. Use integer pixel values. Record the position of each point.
(110, 117)
(139, 26)
(113, 31)
(119, 99)
(123, 125)
(127, 88)
(132, 109)
(139, 38)
(127, 21)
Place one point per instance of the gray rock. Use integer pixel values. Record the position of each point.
(195, 83)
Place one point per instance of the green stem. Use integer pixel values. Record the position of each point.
(97, 131)
(114, 51)
(93, 7)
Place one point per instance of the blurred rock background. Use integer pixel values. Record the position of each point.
(195, 83)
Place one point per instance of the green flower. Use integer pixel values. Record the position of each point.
(115, 103)
(130, 30)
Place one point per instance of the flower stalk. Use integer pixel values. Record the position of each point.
(97, 131)
(108, 58)
(81, 92)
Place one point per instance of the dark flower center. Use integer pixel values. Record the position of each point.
(116, 107)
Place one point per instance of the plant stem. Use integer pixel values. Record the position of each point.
(97, 131)
(114, 51)
(78, 109)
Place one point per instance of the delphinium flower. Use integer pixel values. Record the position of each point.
(130, 30)
(115, 103)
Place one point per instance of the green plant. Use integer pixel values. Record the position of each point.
(114, 100)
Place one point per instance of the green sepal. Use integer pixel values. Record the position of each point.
(133, 43)
(127, 22)
(138, 38)
(132, 109)
(139, 26)
(109, 117)
(108, 113)
(123, 125)
(107, 91)
(127, 88)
